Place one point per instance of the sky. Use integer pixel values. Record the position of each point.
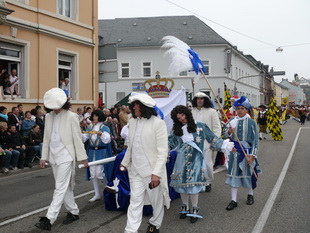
(256, 27)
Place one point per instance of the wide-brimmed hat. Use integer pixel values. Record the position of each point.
(201, 94)
(55, 98)
(144, 99)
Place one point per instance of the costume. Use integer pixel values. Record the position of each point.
(62, 145)
(145, 157)
(262, 121)
(99, 147)
(210, 117)
(239, 172)
(190, 171)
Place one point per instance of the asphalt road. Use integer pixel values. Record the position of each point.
(281, 198)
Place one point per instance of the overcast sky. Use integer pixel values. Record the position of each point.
(255, 27)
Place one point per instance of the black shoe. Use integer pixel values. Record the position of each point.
(195, 214)
(70, 218)
(152, 229)
(250, 200)
(44, 224)
(20, 167)
(208, 188)
(232, 205)
(29, 165)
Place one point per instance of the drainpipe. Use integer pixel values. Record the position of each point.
(94, 83)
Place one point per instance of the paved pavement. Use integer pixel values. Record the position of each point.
(281, 198)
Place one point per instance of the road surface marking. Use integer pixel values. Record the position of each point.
(38, 210)
(268, 206)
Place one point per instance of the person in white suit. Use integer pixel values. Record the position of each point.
(203, 112)
(145, 161)
(62, 146)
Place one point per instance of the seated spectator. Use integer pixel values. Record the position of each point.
(3, 114)
(27, 124)
(11, 156)
(114, 113)
(107, 112)
(20, 111)
(14, 119)
(4, 84)
(15, 141)
(33, 114)
(87, 115)
(35, 140)
(40, 121)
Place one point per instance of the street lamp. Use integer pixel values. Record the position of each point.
(248, 76)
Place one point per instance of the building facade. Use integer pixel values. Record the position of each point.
(47, 42)
(296, 95)
(281, 94)
(130, 53)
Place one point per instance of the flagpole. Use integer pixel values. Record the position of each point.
(225, 116)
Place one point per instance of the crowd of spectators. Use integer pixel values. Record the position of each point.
(21, 133)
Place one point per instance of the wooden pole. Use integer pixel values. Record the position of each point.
(203, 74)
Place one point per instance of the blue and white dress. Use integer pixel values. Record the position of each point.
(189, 172)
(239, 172)
(99, 147)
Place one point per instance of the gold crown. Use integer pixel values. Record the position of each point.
(158, 87)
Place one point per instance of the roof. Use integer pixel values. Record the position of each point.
(280, 85)
(149, 31)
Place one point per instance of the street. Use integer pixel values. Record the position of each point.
(281, 197)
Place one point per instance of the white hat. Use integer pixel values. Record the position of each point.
(55, 98)
(144, 99)
(201, 94)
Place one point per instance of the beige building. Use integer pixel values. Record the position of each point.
(281, 94)
(47, 42)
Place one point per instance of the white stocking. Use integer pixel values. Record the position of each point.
(185, 198)
(96, 187)
(194, 199)
(250, 191)
(234, 192)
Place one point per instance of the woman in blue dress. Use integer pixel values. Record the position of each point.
(240, 171)
(99, 147)
(189, 173)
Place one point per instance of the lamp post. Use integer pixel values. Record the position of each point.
(248, 76)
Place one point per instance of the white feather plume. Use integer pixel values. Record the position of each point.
(177, 50)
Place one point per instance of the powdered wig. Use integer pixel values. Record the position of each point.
(177, 125)
(146, 112)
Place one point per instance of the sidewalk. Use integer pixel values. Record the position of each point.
(35, 166)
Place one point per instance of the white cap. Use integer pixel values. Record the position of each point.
(144, 99)
(55, 98)
(201, 94)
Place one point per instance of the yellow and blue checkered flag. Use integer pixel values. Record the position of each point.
(227, 102)
(273, 121)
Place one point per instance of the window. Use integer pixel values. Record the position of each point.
(146, 69)
(125, 70)
(120, 96)
(11, 59)
(67, 8)
(67, 74)
(206, 65)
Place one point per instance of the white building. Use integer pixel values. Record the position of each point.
(130, 53)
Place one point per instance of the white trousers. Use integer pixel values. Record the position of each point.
(208, 156)
(63, 192)
(139, 187)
